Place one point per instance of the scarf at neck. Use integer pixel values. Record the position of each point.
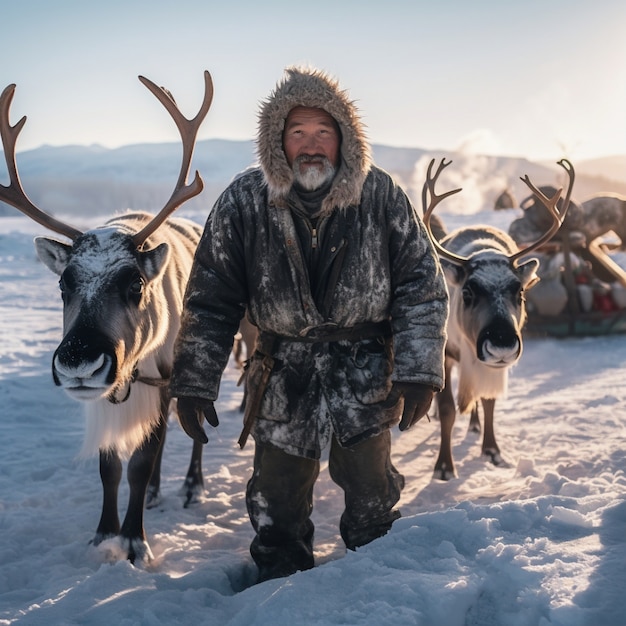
(311, 200)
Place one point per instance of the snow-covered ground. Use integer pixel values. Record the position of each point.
(541, 541)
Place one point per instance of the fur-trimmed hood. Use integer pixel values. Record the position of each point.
(312, 88)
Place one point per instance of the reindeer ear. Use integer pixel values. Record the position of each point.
(527, 272)
(154, 261)
(52, 253)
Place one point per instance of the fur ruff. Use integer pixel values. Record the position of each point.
(312, 88)
(121, 427)
(477, 380)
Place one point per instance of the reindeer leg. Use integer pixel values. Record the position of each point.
(140, 468)
(153, 494)
(444, 467)
(490, 447)
(242, 406)
(110, 475)
(474, 423)
(193, 486)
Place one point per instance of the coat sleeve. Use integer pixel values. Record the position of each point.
(215, 301)
(419, 307)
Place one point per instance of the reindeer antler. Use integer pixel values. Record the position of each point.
(14, 193)
(188, 131)
(551, 204)
(429, 186)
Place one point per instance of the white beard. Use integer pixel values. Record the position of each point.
(313, 177)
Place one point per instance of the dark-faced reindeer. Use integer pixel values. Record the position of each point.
(487, 279)
(580, 243)
(603, 213)
(122, 286)
(593, 218)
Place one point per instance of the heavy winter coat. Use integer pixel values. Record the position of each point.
(376, 264)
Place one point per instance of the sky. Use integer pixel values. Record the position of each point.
(541, 79)
(537, 541)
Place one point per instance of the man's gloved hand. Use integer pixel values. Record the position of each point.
(417, 401)
(191, 413)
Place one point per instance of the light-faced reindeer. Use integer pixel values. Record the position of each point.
(486, 280)
(122, 286)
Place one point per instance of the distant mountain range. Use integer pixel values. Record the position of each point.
(92, 180)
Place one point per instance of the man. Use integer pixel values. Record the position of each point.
(329, 259)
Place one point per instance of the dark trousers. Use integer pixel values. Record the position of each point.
(279, 498)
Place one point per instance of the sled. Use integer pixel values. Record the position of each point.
(573, 321)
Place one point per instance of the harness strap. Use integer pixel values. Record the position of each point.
(153, 382)
(257, 390)
(136, 378)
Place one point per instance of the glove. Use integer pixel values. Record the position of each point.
(190, 414)
(417, 401)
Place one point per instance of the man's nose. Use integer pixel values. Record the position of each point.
(311, 145)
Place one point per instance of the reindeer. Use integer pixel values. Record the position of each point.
(602, 213)
(487, 281)
(244, 342)
(122, 286)
(584, 227)
(591, 219)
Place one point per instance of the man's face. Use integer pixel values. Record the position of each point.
(311, 142)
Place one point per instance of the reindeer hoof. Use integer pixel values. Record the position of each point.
(495, 458)
(138, 550)
(153, 498)
(443, 472)
(115, 548)
(100, 537)
(192, 493)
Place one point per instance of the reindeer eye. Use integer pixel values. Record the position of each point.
(468, 295)
(131, 285)
(67, 282)
(136, 286)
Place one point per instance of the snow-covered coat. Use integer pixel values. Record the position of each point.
(377, 262)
